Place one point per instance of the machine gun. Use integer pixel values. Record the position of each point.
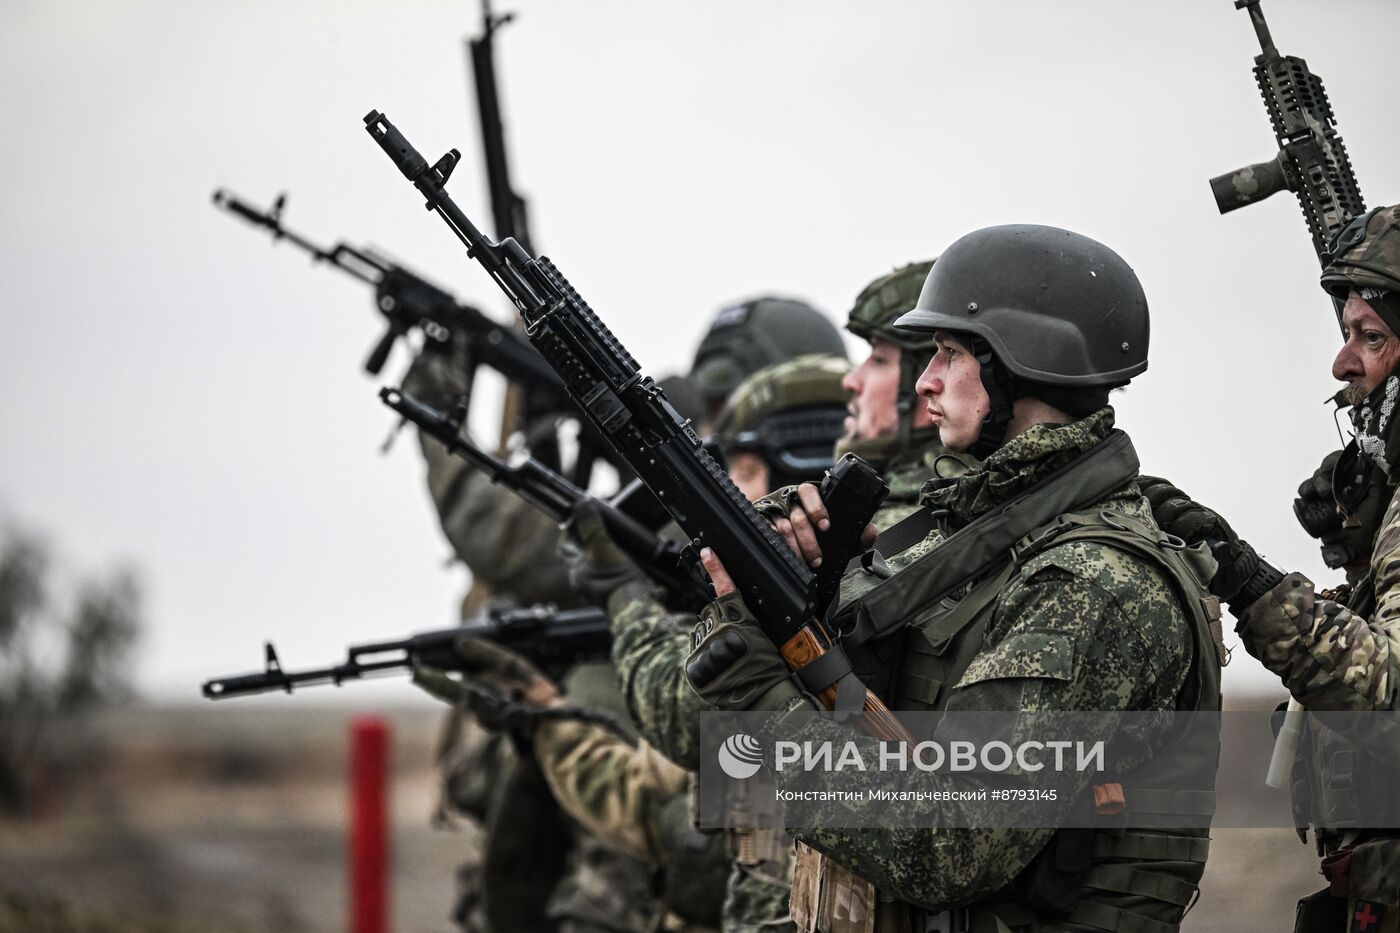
(553, 639)
(407, 301)
(1311, 162)
(625, 515)
(664, 450)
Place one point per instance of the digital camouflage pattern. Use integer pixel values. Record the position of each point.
(1079, 627)
(882, 302)
(651, 644)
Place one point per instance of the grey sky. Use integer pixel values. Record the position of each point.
(184, 395)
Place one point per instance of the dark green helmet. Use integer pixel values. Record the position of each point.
(747, 337)
(1366, 260)
(882, 302)
(1056, 307)
(789, 414)
(1048, 313)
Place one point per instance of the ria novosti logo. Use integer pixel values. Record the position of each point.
(740, 756)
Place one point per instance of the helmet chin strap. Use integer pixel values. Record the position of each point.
(908, 398)
(1000, 386)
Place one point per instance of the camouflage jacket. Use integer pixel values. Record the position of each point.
(506, 543)
(615, 791)
(650, 644)
(1131, 651)
(1329, 657)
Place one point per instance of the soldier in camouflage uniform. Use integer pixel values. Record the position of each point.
(887, 428)
(511, 548)
(1096, 611)
(780, 426)
(1343, 654)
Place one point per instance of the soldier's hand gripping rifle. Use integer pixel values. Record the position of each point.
(1311, 161)
(665, 451)
(407, 301)
(556, 496)
(553, 639)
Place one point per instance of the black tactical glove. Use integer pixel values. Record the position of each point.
(1178, 514)
(597, 566)
(1347, 532)
(734, 666)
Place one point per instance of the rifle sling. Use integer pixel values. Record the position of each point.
(986, 542)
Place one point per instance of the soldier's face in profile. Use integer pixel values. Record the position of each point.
(749, 473)
(951, 387)
(874, 388)
(1370, 352)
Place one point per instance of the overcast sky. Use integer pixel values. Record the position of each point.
(183, 395)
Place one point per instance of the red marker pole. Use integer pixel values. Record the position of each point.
(369, 841)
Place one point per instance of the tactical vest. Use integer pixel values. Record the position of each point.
(1135, 881)
(1333, 774)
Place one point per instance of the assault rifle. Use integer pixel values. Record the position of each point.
(556, 496)
(666, 453)
(508, 208)
(1311, 162)
(551, 638)
(407, 301)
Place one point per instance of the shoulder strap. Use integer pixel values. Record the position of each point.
(987, 541)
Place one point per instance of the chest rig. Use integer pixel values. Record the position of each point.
(1137, 881)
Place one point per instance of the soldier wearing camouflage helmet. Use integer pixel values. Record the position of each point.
(1079, 604)
(1340, 653)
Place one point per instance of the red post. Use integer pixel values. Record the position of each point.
(369, 841)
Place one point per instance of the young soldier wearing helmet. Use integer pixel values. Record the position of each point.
(1033, 326)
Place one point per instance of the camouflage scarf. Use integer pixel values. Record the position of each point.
(1017, 465)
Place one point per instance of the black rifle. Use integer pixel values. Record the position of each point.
(1311, 161)
(407, 301)
(556, 496)
(508, 209)
(665, 451)
(553, 639)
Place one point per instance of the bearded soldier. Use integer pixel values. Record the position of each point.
(1341, 654)
(1097, 611)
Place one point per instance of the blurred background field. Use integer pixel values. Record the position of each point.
(232, 817)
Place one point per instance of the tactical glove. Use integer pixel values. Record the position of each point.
(1346, 542)
(734, 666)
(1178, 514)
(597, 567)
